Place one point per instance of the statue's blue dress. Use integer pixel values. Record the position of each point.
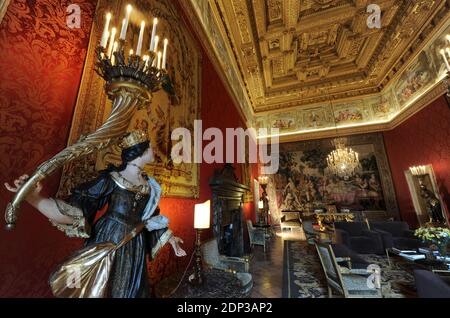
(125, 210)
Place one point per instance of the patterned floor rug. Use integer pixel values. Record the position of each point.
(303, 274)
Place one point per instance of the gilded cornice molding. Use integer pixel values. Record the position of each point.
(211, 37)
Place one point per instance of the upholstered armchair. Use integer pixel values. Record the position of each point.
(352, 258)
(348, 282)
(356, 236)
(257, 235)
(396, 234)
(238, 265)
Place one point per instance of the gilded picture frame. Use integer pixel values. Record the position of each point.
(420, 204)
(163, 115)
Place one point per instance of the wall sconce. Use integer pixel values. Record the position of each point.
(263, 180)
(418, 170)
(263, 204)
(202, 216)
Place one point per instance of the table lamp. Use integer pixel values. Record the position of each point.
(202, 217)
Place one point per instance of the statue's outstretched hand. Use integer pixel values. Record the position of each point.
(175, 242)
(19, 183)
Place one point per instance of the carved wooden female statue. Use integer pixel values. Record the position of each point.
(132, 199)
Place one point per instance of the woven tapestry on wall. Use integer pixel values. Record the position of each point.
(302, 183)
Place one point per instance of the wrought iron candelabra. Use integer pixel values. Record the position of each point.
(130, 83)
(198, 277)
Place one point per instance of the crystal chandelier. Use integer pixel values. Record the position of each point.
(343, 161)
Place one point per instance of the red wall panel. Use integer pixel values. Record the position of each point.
(40, 72)
(422, 139)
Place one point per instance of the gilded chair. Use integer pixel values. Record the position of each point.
(351, 283)
(238, 265)
(257, 235)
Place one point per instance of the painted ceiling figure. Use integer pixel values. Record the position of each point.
(434, 208)
(132, 198)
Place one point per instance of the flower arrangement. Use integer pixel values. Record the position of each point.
(438, 236)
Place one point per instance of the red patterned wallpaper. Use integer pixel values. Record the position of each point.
(40, 72)
(422, 139)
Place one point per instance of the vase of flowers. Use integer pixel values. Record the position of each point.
(437, 237)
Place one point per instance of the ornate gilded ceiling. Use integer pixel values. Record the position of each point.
(296, 52)
(305, 65)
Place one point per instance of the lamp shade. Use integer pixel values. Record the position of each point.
(260, 204)
(202, 215)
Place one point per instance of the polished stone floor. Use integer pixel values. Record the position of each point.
(267, 269)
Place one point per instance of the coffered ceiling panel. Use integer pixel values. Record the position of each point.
(294, 53)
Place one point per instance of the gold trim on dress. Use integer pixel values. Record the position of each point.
(79, 228)
(127, 185)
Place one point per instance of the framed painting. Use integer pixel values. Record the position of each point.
(159, 118)
(424, 190)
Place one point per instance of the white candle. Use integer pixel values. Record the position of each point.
(105, 34)
(145, 58)
(159, 59)
(111, 41)
(123, 33)
(141, 38)
(152, 41)
(166, 42)
(155, 49)
(445, 59)
(123, 29)
(103, 43)
(113, 58)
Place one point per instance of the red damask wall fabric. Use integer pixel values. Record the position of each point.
(422, 139)
(40, 73)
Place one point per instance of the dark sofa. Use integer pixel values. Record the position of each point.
(357, 237)
(396, 234)
(430, 285)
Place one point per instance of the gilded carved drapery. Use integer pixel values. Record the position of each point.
(3, 8)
